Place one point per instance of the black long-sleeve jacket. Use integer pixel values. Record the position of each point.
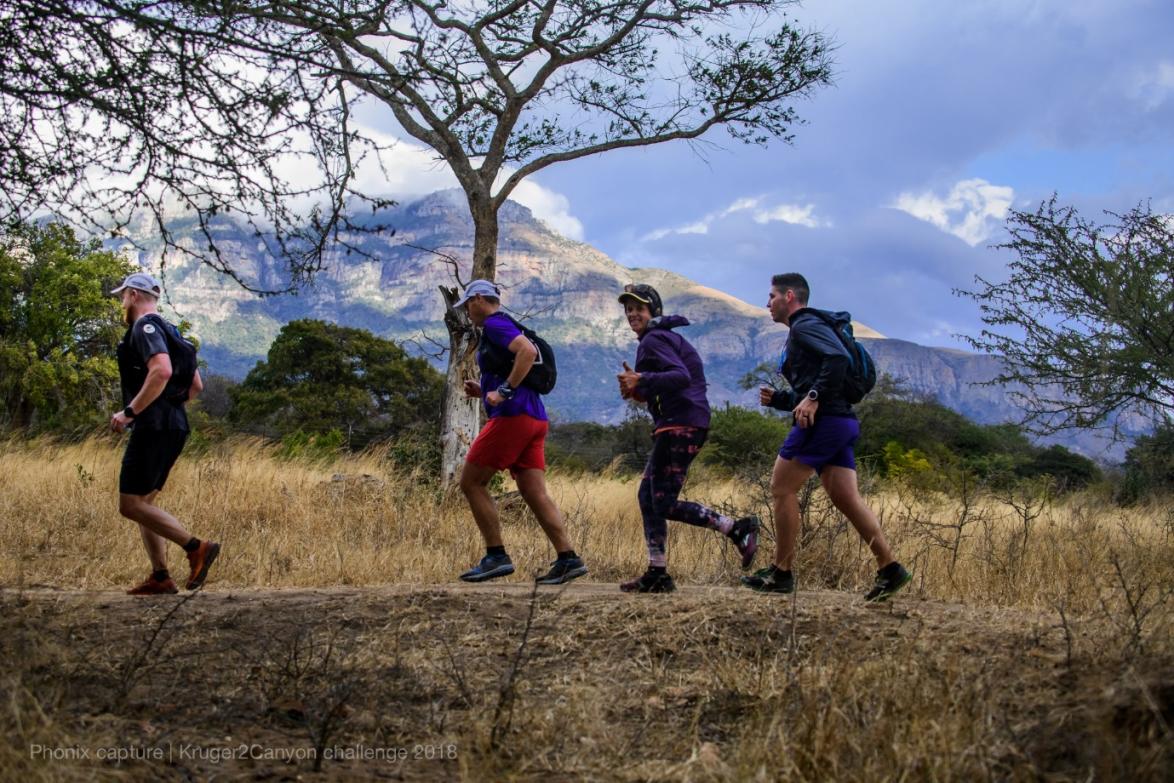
(814, 358)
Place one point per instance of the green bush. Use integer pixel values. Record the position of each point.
(313, 447)
(744, 441)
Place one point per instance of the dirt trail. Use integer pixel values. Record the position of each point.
(260, 682)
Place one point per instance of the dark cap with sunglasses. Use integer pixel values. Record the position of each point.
(645, 294)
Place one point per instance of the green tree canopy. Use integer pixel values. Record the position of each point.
(320, 376)
(1149, 465)
(58, 328)
(1086, 319)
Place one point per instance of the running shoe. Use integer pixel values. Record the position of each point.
(889, 580)
(648, 582)
(770, 580)
(490, 567)
(200, 561)
(563, 570)
(153, 586)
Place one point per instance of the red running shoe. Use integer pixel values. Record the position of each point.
(201, 560)
(154, 587)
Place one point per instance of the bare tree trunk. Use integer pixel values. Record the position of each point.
(462, 415)
(461, 419)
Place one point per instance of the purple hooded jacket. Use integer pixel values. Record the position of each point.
(672, 378)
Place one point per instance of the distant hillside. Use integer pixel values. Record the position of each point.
(569, 287)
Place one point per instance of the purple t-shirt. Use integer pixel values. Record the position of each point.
(500, 331)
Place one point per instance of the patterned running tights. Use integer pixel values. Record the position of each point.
(664, 476)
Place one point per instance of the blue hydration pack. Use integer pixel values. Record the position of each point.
(861, 375)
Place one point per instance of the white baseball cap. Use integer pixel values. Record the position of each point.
(140, 281)
(482, 287)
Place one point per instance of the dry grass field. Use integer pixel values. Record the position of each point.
(333, 641)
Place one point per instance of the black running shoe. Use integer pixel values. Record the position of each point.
(770, 580)
(649, 582)
(563, 570)
(889, 580)
(744, 534)
(490, 567)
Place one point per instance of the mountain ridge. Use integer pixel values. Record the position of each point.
(569, 290)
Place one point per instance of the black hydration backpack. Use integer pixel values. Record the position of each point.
(861, 374)
(184, 361)
(499, 361)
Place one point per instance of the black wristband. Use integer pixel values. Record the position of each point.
(129, 412)
(506, 391)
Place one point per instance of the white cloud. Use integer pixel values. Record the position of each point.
(1155, 86)
(551, 208)
(971, 211)
(740, 205)
(790, 213)
(406, 171)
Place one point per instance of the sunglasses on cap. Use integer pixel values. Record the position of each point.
(642, 292)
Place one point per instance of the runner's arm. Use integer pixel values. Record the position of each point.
(158, 373)
(197, 386)
(780, 399)
(524, 356)
(661, 369)
(818, 338)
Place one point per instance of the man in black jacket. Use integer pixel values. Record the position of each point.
(155, 415)
(814, 362)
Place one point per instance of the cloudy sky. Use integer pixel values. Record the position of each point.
(943, 116)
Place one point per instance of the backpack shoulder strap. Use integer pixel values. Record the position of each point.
(525, 330)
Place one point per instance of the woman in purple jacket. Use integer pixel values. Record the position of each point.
(669, 376)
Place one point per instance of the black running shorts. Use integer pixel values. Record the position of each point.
(148, 459)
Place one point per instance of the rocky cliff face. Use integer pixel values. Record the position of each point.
(566, 289)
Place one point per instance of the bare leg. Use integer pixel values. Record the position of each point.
(153, 520)
(786, 480)
(840, 484)
(155, 545)
(475, 484)
(532, 485)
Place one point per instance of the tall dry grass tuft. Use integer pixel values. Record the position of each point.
(1034, 644)
(361, 520)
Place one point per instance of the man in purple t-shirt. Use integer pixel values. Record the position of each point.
(513, 439)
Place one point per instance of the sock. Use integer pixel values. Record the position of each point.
(192, 546)
(568, 555)
(724, 525)
(495, 550)
(160, 576)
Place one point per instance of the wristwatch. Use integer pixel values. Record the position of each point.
(129, 412)
(813, 395)
(506, 391)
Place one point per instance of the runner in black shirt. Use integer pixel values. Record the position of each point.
(155, 415)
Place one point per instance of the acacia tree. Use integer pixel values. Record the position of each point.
(499, 89)
(115, 109)
(1085, 321)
